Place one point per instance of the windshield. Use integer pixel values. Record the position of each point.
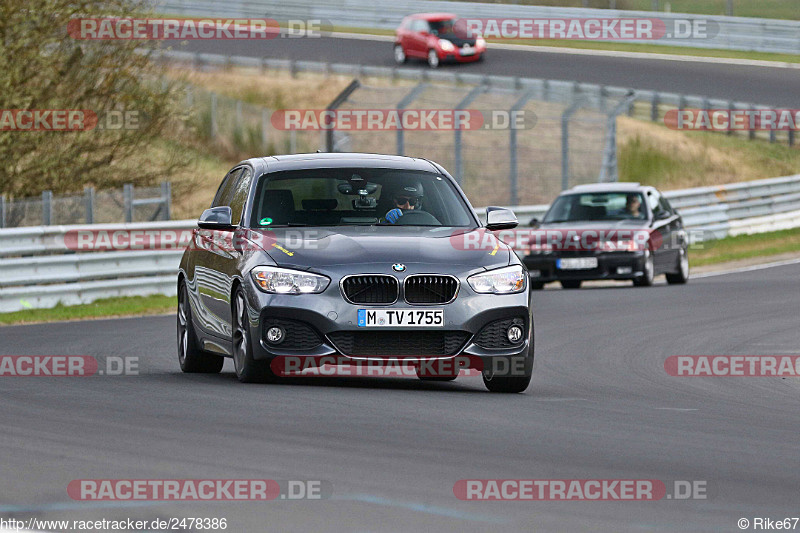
(358, 197)
(597, 206)
(443, 27)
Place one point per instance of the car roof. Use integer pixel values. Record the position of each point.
(434, 17)
(607, 187)
(278, 163)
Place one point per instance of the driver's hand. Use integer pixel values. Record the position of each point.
(393, 215)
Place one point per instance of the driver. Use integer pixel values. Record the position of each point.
(405, 199)
(632, 205)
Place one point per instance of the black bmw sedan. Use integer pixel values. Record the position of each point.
(356, 256)
(602, 231)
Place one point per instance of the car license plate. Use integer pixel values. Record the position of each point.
(467, 51)
(577, 263)
(414, 318)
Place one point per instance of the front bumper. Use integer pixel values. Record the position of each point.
(610, 265)
(329, 315)
(457, 57)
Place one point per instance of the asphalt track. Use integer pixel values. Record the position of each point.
(600, 406)
(770, 86)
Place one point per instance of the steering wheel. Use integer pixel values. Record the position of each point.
(417, 218)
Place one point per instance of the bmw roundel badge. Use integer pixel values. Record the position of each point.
(397, 267)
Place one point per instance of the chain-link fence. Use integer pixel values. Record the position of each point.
(129, 204)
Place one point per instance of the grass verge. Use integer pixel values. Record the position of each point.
(746, 247)
(107, 307)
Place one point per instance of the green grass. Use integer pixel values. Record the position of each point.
(746, 247)
(108, 307)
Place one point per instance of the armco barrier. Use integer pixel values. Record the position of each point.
(37, 270)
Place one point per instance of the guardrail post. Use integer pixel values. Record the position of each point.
(166, 199)
(47, 207)
(654, 108)
(731, 108)
(88, 202)
(468, 99)
(338, 101)
(402, 104)
(2, 210)
(127, 199)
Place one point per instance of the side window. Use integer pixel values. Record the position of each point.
(239, 195)
(224, 193)
(420, 25)
(665, 206)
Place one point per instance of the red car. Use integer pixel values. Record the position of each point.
(436, 38)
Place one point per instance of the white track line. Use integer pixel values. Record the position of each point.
(604, 53)
(745, 269)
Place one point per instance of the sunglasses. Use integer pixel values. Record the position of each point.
(403, 200)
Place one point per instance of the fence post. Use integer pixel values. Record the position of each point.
(213, 115)
(166, 199)
(565, 116)
(127, 197)
(88, 202)
(339, 100)
(472, 95)
(791, 137)
(47, 207)
(513, 197)
(2, 210)
(654, 108)
(609, 171)
(264, 130)
(407, 99)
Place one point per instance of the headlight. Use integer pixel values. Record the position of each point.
(284, 281)
(446, 45)
(480, 42)
(501, 281)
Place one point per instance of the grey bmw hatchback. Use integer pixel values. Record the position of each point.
(362, 257)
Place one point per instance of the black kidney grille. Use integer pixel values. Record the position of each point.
(430, 289)
(399, 343)
(299, 335)
(370, 289)
(493, 335)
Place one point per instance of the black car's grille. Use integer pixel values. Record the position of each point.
(299, 335)
(493, 335)
(430, 289)
(399, 343)
(375, 289)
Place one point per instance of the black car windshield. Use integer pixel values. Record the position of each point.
(597, 206)
(358, 197)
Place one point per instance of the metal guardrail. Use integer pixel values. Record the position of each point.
(37, 270)
(734, 33)
(645, 103)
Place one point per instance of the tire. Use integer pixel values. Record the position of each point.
(571, 283)
(682, 275)
(192, 359)
(433, 58)
(248, 370)
(509, 384)
(646, 280)
(399, 55)
(537, 285)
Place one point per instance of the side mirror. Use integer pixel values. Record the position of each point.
(534, 223)
(216, 218)
(500, 218)
(663, 215)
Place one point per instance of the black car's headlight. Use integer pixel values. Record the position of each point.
(285, 281)
(505, 280)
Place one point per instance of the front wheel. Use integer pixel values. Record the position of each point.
(433, 58)
(248, 370)
(571, 283)
(682, 274)
(191, 358)
(508, 384)
(399, 54)
(646, 279)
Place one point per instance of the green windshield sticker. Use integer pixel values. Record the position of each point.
(266, 221)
